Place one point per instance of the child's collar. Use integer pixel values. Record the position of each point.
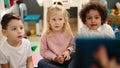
(98, 29)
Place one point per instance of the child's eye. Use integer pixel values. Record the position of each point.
(96, 17)
(21, 27)
(54, 19)
(60, 19)
(14, 28)
(88, 18)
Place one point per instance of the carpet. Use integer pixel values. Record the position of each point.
(36, 53)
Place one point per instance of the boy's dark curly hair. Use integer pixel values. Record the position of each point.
(102, 9)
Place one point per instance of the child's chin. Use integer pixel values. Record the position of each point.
(94, 28)
(20, 38)
(58, 30)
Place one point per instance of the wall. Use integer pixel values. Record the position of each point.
(13, 9)
(1, 8)
(39, 9)
(73, 12)
(111, 3)
(33, 7)
(1, 4)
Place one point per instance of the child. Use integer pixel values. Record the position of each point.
(94, 16)
(15, 51)
(57, 41)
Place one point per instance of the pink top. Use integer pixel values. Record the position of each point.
(55, 44)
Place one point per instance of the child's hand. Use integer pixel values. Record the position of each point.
(101, 56)
(66, 55)
(59, 59)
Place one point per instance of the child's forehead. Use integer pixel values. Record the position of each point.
(15, 22)
(56, 13)
(92, 10)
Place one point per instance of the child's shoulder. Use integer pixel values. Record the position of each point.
(44, 35)
(3, 44)
(106, 26)
(25, 40)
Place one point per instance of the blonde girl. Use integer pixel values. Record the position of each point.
(57, 40)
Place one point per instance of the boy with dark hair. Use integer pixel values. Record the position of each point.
(15, 51)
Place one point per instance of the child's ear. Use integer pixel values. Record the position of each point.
(4, 32)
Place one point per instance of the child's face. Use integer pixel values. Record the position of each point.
(93, 19)
(15, 30)
(56, 21)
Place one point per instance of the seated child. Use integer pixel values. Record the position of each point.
(57, 40)
(15, 51)
(94, 16)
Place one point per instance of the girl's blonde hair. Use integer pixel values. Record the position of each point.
(54, 9)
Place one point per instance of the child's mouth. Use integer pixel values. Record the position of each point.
(93, 24)
(19, 36)
(56, 26)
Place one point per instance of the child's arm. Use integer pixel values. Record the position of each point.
(44, 49)
(109, 33)
(69, 50)
(5, 65)
(3, 60)
(71, 46)
(29, 57)
(30, 62)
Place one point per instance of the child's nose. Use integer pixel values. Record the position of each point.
(19, 30)
(93, 20)
(57, 21)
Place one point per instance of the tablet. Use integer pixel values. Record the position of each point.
(85, 49)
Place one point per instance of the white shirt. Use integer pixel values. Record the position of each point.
(104, 31)
(15, 56)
